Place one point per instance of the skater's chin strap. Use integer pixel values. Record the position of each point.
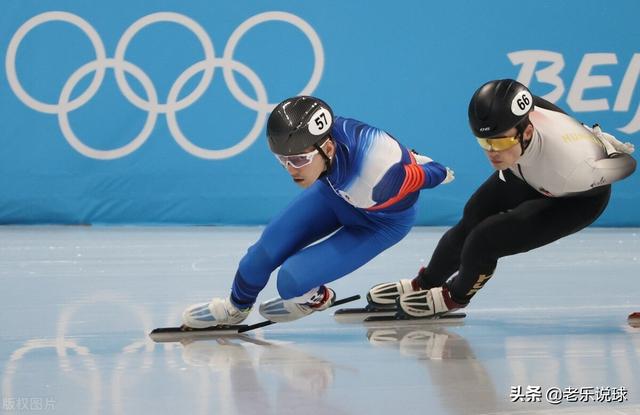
(326, 158)
(520, 134)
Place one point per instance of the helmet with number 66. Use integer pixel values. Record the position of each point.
(498, 106)
(298, 123)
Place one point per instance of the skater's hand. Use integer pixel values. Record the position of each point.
(450, 176)
(421, 159)
(626, 148)
(609, 141)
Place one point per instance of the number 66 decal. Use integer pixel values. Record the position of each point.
(521, 103)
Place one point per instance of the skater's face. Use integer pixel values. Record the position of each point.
(505, 149)
(311, 163)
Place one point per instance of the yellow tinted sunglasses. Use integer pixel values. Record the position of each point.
(498, 143)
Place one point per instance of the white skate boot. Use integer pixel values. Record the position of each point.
(218, 312)
(385, 295)
(280, 311)
(427, 303)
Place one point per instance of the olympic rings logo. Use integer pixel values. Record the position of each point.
(152, 104)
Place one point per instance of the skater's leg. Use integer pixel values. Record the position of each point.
(306, 220)
(304, 274)
(493, 197)
(533, 224)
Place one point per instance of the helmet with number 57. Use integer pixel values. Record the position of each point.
(498, 106)
(298, 123)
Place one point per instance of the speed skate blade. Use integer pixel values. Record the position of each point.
(358, 315)
(176, 334)
(452, 318)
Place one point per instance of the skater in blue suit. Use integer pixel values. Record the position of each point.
(360, 187)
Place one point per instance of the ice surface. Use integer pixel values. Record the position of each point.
(78, 303)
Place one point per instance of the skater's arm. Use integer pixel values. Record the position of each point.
(596, 173)
(433, 173)
(618, 165)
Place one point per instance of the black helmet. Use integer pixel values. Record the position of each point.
(498, 106)
(297, 123)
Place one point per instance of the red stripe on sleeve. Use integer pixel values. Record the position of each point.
(413, 181)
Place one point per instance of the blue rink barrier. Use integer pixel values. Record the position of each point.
(154, 112)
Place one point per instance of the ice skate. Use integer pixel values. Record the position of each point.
(384, 296)
(218, 312)
(427, 303)
(280, 311)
